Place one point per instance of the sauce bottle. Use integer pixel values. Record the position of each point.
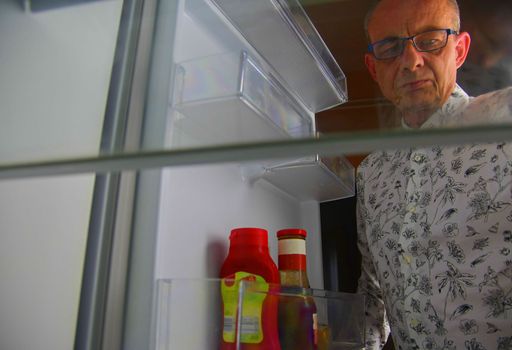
(249, 259)
(297, 312)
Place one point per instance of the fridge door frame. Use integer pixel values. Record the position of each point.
(102, 314)
(129, 305)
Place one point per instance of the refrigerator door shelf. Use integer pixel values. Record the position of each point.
(281, 32)
(311, 178)
(185, 304)
(228, 98)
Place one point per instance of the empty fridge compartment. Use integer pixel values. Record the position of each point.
(188, 313)
(313, 178)
(282, 33)
(229, 98)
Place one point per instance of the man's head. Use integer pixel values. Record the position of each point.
(418, 83)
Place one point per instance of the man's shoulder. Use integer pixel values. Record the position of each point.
(496, 95)
(492, 107)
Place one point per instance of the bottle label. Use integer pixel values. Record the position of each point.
(251, 331)
(292, 246)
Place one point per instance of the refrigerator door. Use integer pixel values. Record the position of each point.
(213, 84)
(56, 70)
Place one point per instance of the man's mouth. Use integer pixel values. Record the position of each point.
(415, 84)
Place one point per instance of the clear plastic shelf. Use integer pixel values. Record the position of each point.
(228, 98)
(282, 33)
(188, 314)
(310, 178)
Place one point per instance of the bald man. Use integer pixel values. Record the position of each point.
(434, 224)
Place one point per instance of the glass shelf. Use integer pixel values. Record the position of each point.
(307, 178)
(327, 145)
(187, 313)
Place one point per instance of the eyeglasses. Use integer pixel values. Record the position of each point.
(423, 42)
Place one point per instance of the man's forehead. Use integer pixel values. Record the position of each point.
(392, 18)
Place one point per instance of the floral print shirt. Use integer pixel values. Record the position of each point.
(435, 233)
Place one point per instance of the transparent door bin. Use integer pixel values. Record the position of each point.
(228, 98)
(309, 178)
(283, 34)
(188, 314)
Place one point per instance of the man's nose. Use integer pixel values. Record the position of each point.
(411, 59)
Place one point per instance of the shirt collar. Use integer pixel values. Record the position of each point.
(455, 104)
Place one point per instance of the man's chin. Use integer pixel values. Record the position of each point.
(418, 102)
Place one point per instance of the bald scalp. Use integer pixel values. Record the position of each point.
(451, 3)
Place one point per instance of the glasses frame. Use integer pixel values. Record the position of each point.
(402, 40)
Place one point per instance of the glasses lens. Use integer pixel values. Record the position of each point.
(430, 41)
(387, 49)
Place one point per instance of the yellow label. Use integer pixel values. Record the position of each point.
(252, 306)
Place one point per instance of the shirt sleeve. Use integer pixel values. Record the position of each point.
(497, 106)
(377, 327)
(492, 108)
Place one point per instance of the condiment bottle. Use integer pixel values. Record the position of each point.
(297, 310)
(249, 259)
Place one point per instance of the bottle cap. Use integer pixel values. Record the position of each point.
(291, 232)
(249, 236)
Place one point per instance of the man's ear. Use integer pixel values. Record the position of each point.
(369, 60)
(462, 47)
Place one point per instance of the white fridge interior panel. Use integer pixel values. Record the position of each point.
(201, 204)
(210, 36)
(44, 225)
(55, 68)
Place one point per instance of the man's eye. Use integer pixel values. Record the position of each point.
(429, 43)
(388, 47)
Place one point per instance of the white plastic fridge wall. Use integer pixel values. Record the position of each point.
(55, 68)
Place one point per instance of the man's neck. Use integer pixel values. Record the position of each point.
(415, 118)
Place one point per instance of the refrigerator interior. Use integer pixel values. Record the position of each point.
(225, 90)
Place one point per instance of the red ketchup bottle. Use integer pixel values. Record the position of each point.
(249, 259)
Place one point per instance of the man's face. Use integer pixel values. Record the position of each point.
(416, 81)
